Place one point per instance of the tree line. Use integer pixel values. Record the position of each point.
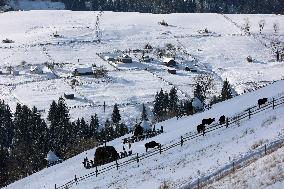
(26, 138)
(181, 6)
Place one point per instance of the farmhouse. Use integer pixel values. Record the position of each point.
(52, 159)
(36, 70)
(124, 59)
(109, 58)
(15, 73)
(69, 96)
(78, 71)
(169, 62)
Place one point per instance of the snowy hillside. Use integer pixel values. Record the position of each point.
(267, 172)
(27, 5)
(179, 165)
(222, 52)
(42, 51)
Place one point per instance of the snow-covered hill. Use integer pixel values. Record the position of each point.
(179, 165)
(222, 52)
(68, 41)
(267, 172)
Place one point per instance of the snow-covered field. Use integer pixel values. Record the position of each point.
(221, 52)
(267, 172)
(66, 40)
(180, 165)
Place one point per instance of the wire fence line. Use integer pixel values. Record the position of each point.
(135, 158)
(234, 165)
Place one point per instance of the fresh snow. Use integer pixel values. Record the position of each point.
(67, 40)
(179, 165)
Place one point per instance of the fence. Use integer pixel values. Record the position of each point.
(135, 158)
(236, 164)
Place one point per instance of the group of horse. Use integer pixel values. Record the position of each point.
(107, 154)
(222, 119)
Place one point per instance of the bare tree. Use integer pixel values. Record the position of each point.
(98, 28)
(276, 27)
(261, 24)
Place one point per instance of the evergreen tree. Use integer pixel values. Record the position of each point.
(144, 115)
(6, 126)
(198, 93)
(4, 172)
(94, 127)
(173, 101)
(226, 92)
(115, 117)
(109, 131)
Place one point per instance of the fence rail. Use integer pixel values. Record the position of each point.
(135, 158)
(236, 164)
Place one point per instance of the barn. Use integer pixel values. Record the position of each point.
(169, 62)
(79, 71)
(124, 59)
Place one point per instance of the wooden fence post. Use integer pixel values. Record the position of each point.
(198, 183)
(96, 170)
(104, 106)
(265, 149)
(233, 166)
(75, 179)
(137, 157)
(273, 105)
(249, 113)
(227, 122)
(116, 164)
(181, 140)
(55, 186)
(160, 148)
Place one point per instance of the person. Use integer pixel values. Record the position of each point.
(129, 145)
(123, 148)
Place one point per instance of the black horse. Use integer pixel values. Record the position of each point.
(261, 101)
(151, 144)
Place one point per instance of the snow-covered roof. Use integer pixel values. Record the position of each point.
(51, 157)
(146, 126)
(168, 59)
(35, 69)
(84, 69)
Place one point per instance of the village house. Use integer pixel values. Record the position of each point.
(169, 62)
(36, 70)
(124, 59)
(79, 71)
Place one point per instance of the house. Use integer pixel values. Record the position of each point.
(36, 70)
(169, 62)
(172, 71)
(69, 96)
(146, 59)
(15, 73)
(124, 59)
(109, 58)
(190, 69)
(83, 71)
(52, 159)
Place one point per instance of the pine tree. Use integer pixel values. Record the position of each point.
(144, 115)
(4, 172)
(109, 131)
(198, 93)
(115, 117)
(226, 92)
(173, 101)
(94, 127)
